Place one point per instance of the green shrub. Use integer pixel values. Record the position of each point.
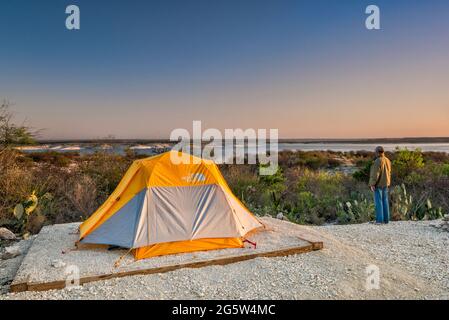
(363, 174)
(405, 162)
(312, 160)
(318, 195)
(272, 187)
(445, 169)
(106, 171)
(307, 209)
(244, 182)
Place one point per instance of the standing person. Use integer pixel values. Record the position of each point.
(380, 179)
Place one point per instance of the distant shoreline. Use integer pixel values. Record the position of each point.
(305, 141)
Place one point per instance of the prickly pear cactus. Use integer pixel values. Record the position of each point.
(402, 203)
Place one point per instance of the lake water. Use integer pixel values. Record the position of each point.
(437, 147)
(150, 149)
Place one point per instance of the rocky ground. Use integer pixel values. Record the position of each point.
(12, 253)
(412, 259)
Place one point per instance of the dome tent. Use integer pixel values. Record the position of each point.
(161, 208)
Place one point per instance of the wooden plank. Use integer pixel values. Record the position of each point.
(312, 246)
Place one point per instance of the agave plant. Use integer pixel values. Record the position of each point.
(428, 212)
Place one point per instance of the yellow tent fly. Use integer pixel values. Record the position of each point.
(162, 206)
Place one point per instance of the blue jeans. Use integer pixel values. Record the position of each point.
(382, 205)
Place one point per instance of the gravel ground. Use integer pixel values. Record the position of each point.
(412, 257)
(39, 264)
(9, 267)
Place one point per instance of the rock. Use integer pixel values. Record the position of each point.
(11, 252)
(58, 264)
(280, 216)
(5, 234)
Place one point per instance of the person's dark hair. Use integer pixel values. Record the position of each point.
(380, 150)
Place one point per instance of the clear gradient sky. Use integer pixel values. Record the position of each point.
(139, 69)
